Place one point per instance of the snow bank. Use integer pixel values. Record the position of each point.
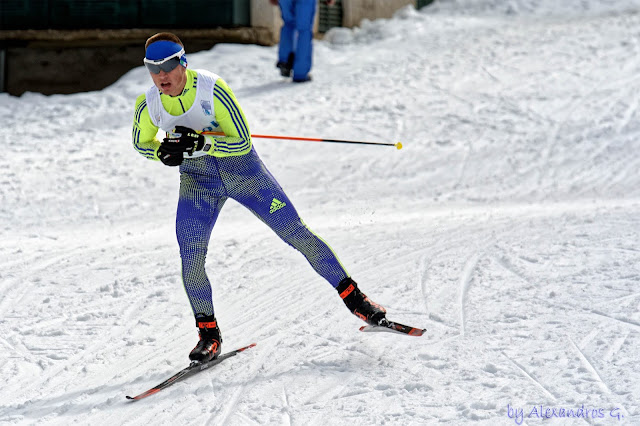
(567, 9)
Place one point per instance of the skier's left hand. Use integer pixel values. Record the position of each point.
(188, 141)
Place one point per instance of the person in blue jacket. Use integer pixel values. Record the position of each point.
(295, 49)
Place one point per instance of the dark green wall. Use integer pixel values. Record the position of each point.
(115, 14)
(422, 3)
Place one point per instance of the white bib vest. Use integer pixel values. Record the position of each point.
(200, 117)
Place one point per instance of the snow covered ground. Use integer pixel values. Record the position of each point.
(508, 226)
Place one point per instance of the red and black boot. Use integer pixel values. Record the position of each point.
(210, 343)
(359, 304)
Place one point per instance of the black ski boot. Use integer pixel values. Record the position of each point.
(210, 343)
(359, 304)
(286, 67)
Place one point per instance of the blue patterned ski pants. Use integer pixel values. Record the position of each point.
(205, 184)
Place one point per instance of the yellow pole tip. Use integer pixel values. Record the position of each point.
(399, 145)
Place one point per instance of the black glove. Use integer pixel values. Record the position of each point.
(169, 158)
(188, 141)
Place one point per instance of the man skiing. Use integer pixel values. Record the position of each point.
(184, 103)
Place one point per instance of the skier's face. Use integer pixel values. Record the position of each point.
(171, 83)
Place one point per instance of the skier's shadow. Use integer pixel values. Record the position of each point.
(263, 88)
(67, 404)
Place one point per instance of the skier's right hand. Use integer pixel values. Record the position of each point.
(169, 158)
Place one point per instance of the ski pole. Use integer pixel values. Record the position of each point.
(398, 145)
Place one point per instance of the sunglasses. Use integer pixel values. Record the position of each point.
(167, 64)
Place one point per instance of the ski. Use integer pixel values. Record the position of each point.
(394, 327)
(192, 369)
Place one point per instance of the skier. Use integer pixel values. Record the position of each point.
(183, 103)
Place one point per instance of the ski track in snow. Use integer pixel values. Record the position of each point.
(536, 382)
(508, 226)
(465, 283)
